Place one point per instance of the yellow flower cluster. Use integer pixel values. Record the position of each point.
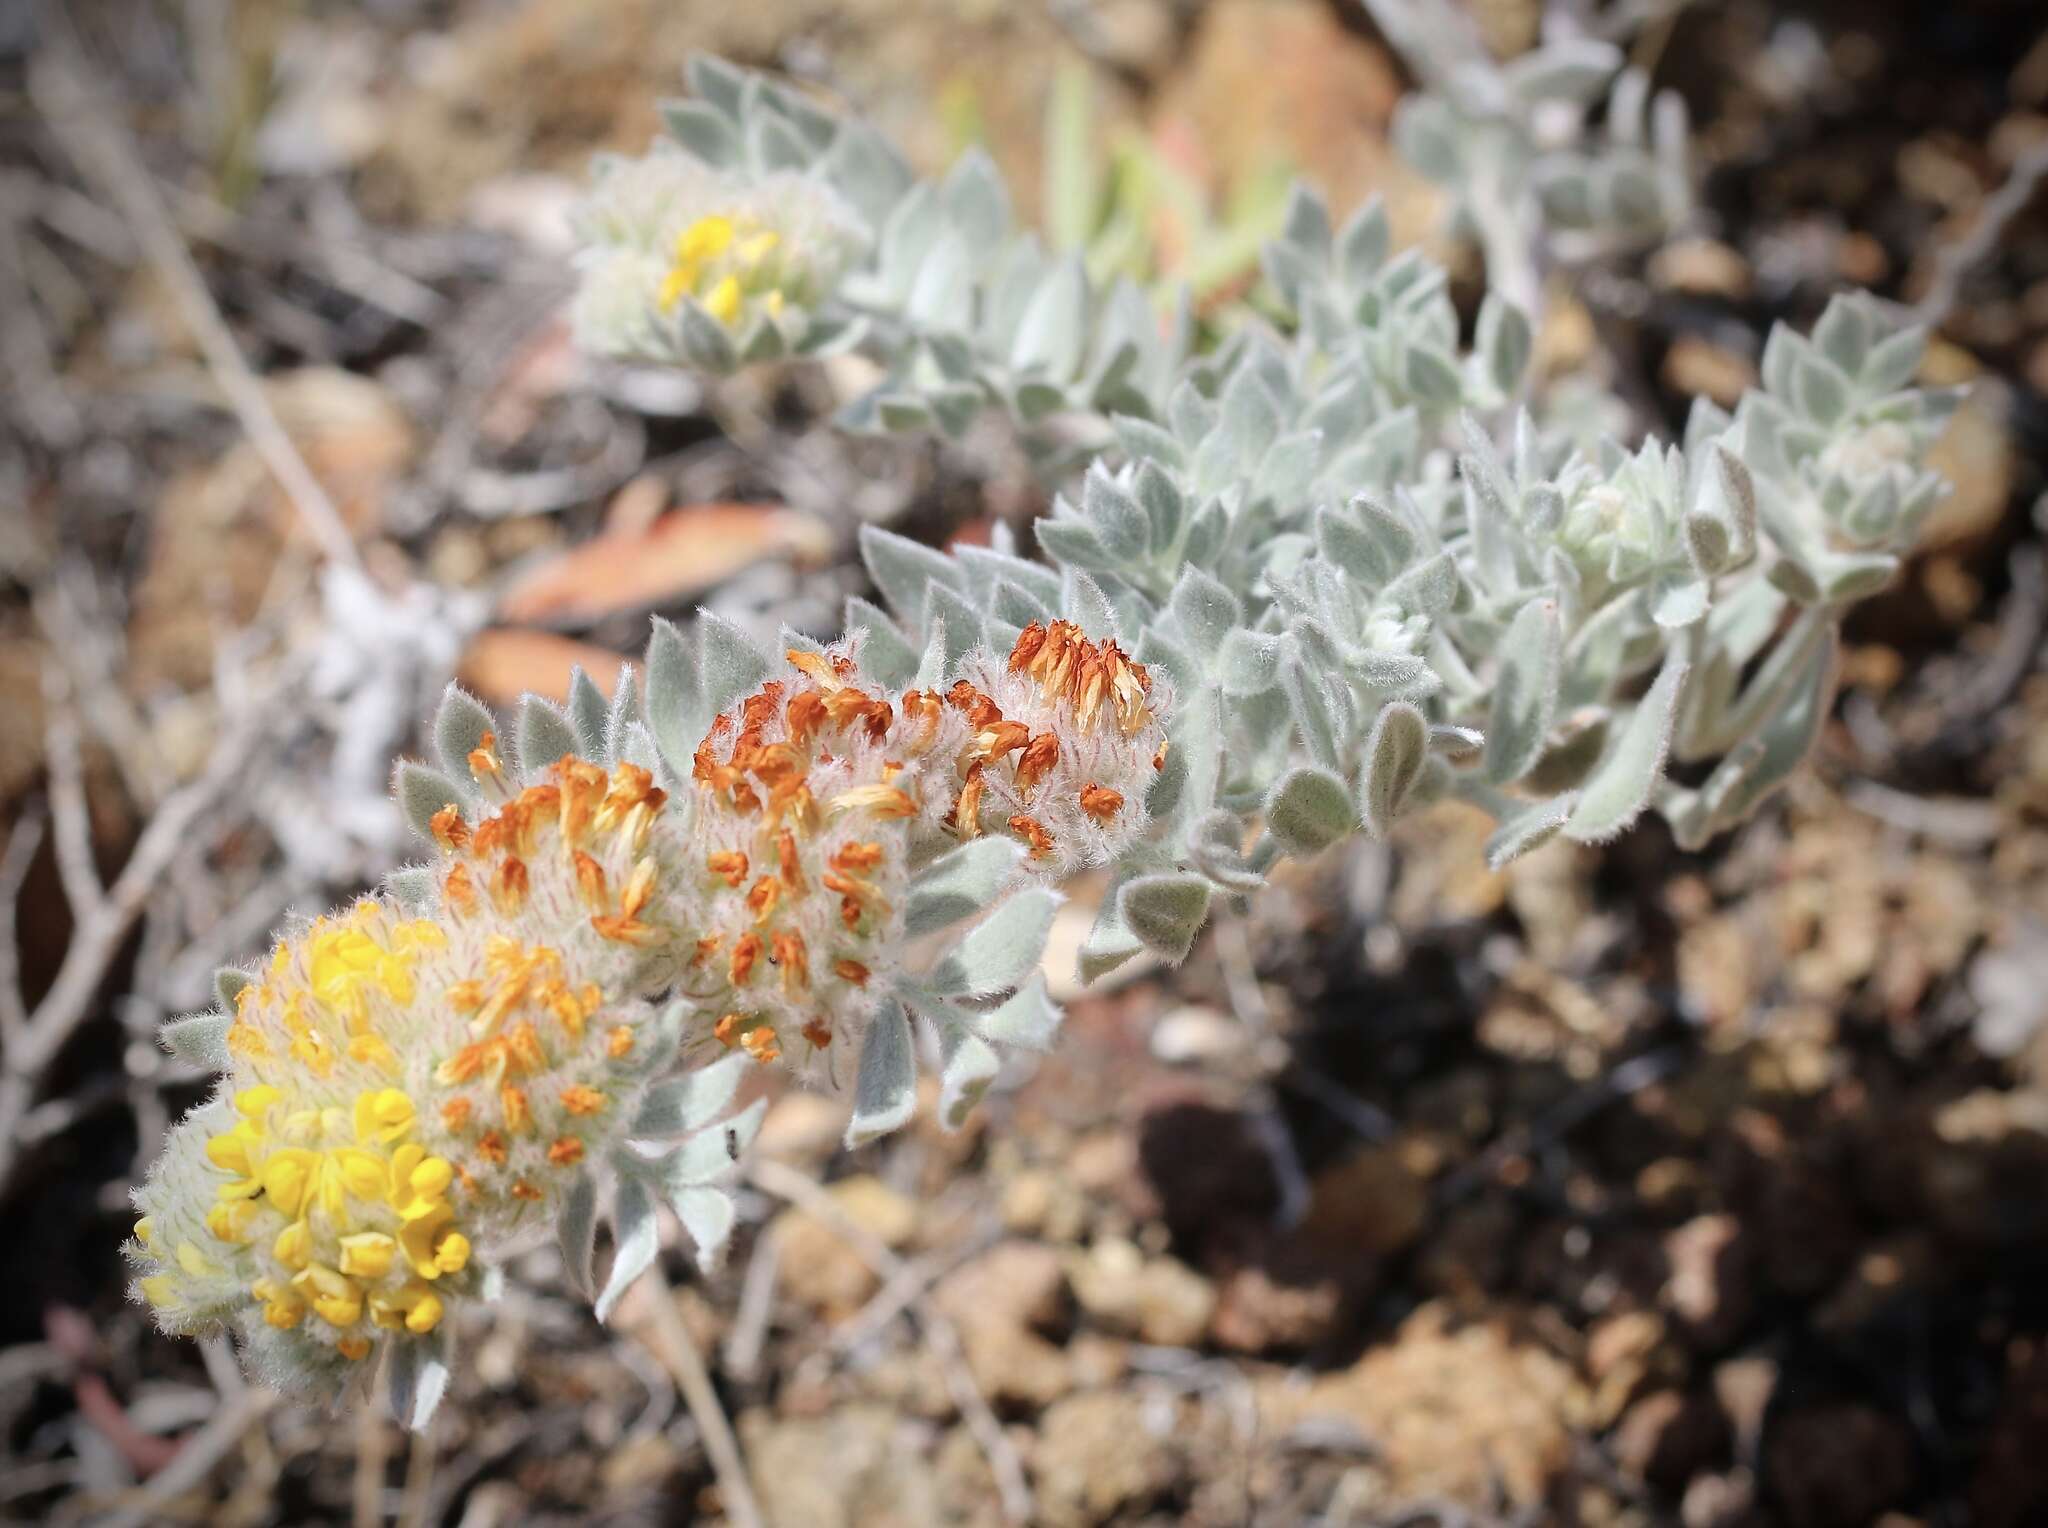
(407, 1095)
(377, 1195)
(724, 261)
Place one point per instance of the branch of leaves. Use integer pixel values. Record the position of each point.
(983, 992)
(1633, 181)
(1353, 302)
(970, 314)
(1840, 437)
(690, 1175)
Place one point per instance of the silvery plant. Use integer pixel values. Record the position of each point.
(1295, 584)
(1515, 149)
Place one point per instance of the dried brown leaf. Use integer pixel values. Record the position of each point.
(679, 556)
(503, 663)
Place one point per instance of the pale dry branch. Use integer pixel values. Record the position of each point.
(785, 1182)
(903, 1289)
(23, 840)
(1955, 263)
(757, 1301)
(102, 918)
(676, 1349)
(194, 1461)
(373, 1453)
(70, 814)
(63, 87)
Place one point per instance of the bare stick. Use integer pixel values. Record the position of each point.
(195, 1459)
(72, 819)
(757, 1300)
(1954, 264)
(786, 1182)
(23, 839)
(62, 85)
(100, 926)
(419, 1481)
(674, 1347)
(373, 1453)
(903, 1289)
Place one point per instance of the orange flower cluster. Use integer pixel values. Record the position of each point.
(800, 786)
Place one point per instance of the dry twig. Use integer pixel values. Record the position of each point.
(785, 1182)
(195, 1459)
(675, 1348)
(101, 917)
(23, 839)
(1954, 264)
(757, 1301)
(63, 87)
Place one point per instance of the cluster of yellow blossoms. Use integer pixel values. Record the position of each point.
(409, 1091)
(725, 261)
(410, 1096)
(664, 231)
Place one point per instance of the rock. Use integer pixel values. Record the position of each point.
(1099, 1455)
(968, 1493)
(1709, 1287)
(1195, 1035)
(2010, 1488)
(1718, 1501)
(1264, 83)
(1624, 1339)
(1259, 1308)
(1159, 1300)
(1619, 1359)
(857, 1467)
(1694, 366)
(802, 1128)
(1453, 1410)
(1372, 1202)
(1744, 1387)
(1671, 1186)
(912, 1380)
(998, 1301)
(1043, 1204)
(1103, 1165)
(819, 1269)
(1702, 268)
(1836, 1465)
(1668, 1437)
(1975, 453)
(637, 1463)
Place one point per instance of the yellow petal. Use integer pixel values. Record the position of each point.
(229, 1152)
(451, 1255)
(294, 1245)
(368, 1254)
(286, 1176)
(254, 1103)
(363, 1172)
(724, 302)
(431, 1178)
(424, 1316)
(704, 239)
